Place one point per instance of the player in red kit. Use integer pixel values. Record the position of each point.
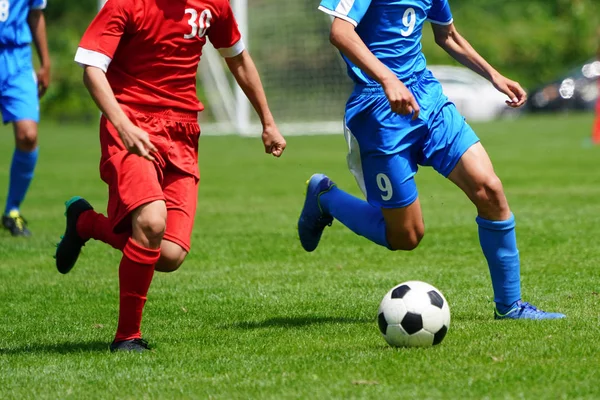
(140, 60)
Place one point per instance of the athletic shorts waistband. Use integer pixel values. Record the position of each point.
(13, 46)
(170, 114)
(377, 89)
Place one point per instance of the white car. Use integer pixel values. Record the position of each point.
(474, 96)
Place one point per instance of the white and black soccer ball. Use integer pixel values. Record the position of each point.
(413, 314)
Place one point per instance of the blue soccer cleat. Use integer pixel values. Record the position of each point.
(312, 219)
(524, 310)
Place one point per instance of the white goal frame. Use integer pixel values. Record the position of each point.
(228, 103)
(231, 108)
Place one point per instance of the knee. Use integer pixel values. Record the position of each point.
(151, 222)
(153, 227)
(490, 200)
(171, 257)
(26, 137)
(406, 239)
(490, 193)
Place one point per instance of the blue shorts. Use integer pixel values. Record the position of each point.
(385, 148)
(18, 85)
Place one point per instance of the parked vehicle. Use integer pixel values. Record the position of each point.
(474, 96)
(576, 90)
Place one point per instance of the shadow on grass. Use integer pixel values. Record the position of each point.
(57, 348)
(295, 322)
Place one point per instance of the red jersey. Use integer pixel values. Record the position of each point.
(150, 49)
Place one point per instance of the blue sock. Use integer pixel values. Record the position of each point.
(358, 215)
(499, 244)
(21, 173)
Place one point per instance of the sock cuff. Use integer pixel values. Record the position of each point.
(26, 155)
(85, 224)
(322, 206)
(140, 254)
(497, 225)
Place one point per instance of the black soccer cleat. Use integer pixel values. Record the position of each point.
(68, 249)
(133, 345)
(16, 224)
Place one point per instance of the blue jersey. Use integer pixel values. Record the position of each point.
(391, 29)
(14, 29)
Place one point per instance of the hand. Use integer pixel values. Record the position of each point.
(401, 99)
(137, 141)
(43, 80)
(517, 96)
(273, 141)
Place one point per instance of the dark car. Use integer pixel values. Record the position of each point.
(576, 90)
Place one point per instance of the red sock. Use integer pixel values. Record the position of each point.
(596, 127)
(135, 274)
(596, 130)
(92, 225)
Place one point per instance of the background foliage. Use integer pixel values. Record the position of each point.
(531, 41)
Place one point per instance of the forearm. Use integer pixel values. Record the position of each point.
(37, 25)
(345, 39)
(246, 75)
(462, 51)
(96, 83)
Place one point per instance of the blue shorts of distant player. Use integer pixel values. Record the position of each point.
(18, 85)
(385, 148)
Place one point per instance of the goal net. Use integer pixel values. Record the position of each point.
(303, 75)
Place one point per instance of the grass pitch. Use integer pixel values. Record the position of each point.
(250, 315)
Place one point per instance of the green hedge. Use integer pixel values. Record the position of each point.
(529, 40)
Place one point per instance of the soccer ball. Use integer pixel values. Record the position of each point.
(413, 314)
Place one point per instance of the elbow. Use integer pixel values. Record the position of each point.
(442, 40)
(337, 35)
(334, 37)
(441, 43)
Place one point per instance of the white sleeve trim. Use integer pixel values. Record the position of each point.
(234, 50)
(41, 6)
(440, 23)
(338, 15)
(85, 57)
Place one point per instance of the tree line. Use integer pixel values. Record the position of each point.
(532, 41)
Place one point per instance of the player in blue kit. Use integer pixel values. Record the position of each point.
(21, 21)
(398, 118)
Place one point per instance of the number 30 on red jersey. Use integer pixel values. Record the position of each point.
(200, 24)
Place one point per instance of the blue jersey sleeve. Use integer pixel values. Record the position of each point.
(348, 10)
(440, 13)
(37, 4)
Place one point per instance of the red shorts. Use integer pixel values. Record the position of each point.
(173, 177)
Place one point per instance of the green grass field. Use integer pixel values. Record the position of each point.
(250, 315)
